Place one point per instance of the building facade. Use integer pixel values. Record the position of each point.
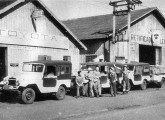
(30, 32)
(146, 43)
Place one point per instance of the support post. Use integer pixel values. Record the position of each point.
(129, 34)
(112, 53)
(130, 5)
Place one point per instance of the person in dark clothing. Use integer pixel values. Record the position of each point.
(79, 83)
(113, 79)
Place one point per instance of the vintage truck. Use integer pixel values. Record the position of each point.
(157, 75)
(39, 77)
(104, 70)
(144, 74)
(140, 74)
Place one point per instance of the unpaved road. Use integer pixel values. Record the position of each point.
(137, 105)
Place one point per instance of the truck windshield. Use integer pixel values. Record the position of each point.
(85, 67)
(130, 68)
(28, 67)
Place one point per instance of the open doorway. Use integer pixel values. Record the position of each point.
(147, 54)
(3, 62)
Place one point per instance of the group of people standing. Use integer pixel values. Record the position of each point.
(91, 85)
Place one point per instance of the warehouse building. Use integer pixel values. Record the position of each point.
(30, 31)
(147, 42)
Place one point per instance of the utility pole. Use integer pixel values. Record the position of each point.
(130, 5)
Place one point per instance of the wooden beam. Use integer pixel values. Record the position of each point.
(121, 12)
(115, 3)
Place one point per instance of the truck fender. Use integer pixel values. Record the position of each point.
(33, 86)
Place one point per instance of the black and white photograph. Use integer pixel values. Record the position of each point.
(82, 59)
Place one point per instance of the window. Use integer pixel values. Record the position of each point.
(33, 67)
(130, 68)
(51, 69)
(66, 58)
(64, 70)
(67, 71)
(138, 70)
(90, 58)
(44, 57)
(146, 69)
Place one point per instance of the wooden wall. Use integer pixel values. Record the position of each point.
(141, 33)
(95, 47)
(20, 20)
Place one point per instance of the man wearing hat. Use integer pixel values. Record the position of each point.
(125, 73)
(90, 77)
(126, 86)
(97, 84)
(113, 79)
(79, 83)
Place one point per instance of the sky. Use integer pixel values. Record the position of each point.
(72, 9)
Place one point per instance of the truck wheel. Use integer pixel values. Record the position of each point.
(28, 96)
(143, 86)
(60, 95)
(4, 96)
(159, 84)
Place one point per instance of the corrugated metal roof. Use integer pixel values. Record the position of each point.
(97, 27)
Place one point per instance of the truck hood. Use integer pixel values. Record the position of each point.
(24, 78)
(29, 76)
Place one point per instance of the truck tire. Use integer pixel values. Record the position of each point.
(159, 84)
(143, 86)
(4, 96)
(60, 95)
(28, 96)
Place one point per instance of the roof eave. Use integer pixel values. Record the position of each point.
(81, 45)
(11, 6)
(64, 26)
(124, 27)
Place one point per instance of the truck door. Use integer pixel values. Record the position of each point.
(64, 72)
(50, 76)
(138, 73)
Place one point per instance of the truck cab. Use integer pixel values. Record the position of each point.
(139, 74)
(104, 70)
(40, 77)
(157, 75)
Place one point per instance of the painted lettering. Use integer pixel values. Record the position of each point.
(149, 39)
(162, 41)
(44, 37)
(34, 35)
(22, 34)
(132, 38)
(54, 38)
(12, 33)
(2, 32)
(24, 38)
(145, 39)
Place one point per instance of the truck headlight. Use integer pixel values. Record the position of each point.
(5, 82)
(17, 83)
